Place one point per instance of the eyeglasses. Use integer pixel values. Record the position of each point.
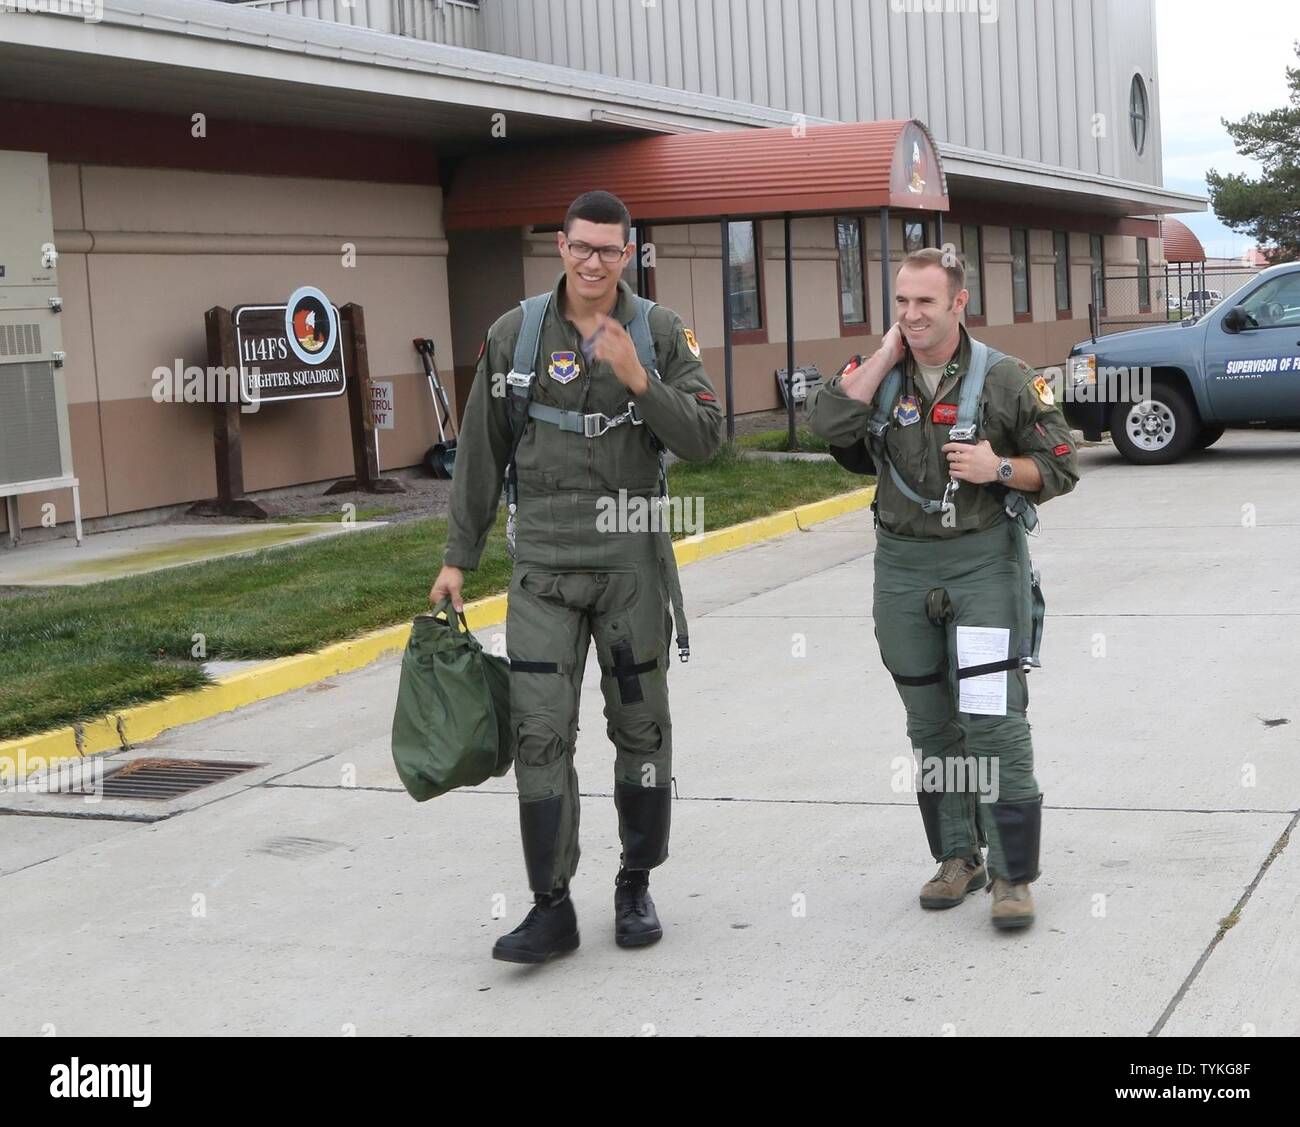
(580, 252)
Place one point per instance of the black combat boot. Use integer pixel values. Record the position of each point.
(550, 928)
(635, 921)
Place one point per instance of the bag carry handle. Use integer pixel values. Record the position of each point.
(455, 618)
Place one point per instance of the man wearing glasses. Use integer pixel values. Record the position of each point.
(601, 383)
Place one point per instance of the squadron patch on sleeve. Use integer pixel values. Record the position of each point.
(691, 342)
(705, 397)
(1062, 450)
(482, 348)
(1044, 392)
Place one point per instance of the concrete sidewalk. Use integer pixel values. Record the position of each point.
(312, 894)
(135, 551)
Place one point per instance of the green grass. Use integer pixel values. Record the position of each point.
(335, 516)
(779, 440)
(69, 654)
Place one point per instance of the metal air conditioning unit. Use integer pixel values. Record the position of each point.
(35, 448)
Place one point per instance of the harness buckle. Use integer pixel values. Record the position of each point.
(961, 434)
(948, 490)
(520, 379)
(633, 414)
(595, 424)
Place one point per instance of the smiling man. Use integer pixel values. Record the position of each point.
(600, 382)
(966, 442)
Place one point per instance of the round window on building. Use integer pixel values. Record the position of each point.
(1137, 113)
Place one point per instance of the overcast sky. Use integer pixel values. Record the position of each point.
(1218, 60)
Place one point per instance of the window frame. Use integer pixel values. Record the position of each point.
(1066, 312)
(853, 328)
(1028, 315)
(1138, 87)
(758, 335)
(1097, 268)
(981, 319)
(923, 223)
(1144, 274)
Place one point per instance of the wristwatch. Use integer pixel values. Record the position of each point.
(1005, 470)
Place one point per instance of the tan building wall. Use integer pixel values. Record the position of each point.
(144, 252)
(688, 278)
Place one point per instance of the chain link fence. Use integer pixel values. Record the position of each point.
(1131, 300)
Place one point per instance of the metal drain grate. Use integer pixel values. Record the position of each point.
(163, 778)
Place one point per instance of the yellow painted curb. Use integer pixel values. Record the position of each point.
(135, 725)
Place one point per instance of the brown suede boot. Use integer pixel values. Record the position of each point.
(956, 877)
(1013, 905)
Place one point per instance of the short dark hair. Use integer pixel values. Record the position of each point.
(950, 262)
(599, 207)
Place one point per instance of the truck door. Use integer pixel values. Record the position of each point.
(1255, 373)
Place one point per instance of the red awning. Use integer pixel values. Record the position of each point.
(1181, 244)
(816, 170)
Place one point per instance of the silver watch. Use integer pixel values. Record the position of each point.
(1005, 470)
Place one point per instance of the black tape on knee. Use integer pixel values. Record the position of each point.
(628, 673)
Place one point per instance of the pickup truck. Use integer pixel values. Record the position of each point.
(1163, 391)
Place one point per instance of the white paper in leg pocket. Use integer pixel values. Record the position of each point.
(982, 645)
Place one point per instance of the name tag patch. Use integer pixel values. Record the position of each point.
(944, 413)
(1062, 450)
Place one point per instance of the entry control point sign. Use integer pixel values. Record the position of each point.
(290, 351)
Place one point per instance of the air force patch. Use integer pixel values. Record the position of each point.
(563, 367)
(908, 411)
(1044, 392)
(692, 343)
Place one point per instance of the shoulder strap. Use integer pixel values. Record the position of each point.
(641, 335)
(530, 333)
(982, 358)
(885, 402)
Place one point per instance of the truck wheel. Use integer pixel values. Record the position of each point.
(1160, 430)
(1207, 437)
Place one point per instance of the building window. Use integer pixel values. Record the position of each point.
(1061, 248)
(1020, 274)
(972, 250)
(746, 298)
(853, 285)
(1137, 113)
(631, 273)
(1144, 276)
(1097, 252)
(914, 236)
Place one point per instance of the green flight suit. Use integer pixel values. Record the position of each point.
(581, 573)
(938, 572)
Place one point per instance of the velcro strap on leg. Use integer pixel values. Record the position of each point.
(533, 666)
(991, 667)
(645, 667)
(916, 682)
(628, 673)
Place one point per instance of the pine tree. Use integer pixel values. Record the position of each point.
(1267, 208)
